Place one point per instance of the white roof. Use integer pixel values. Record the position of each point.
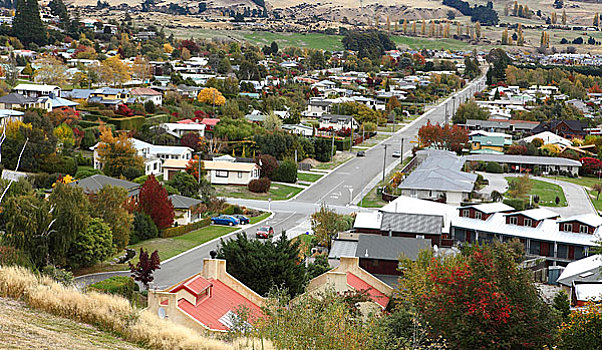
(184, 126)
(588, 291)
(370, 220)
(36, 87)
(582, 265)
(9, 113)
(409, 205)
(536, 214)
(489, 208)
(588, 219)
(549, 138)
(490, 134)
(157, 149)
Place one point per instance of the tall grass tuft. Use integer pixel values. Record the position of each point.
(108, 312)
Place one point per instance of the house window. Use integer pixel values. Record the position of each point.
(583, 229)
(465, 213)
(240, 174)
(567, 228)
(221, 173)
(478, 215)
(528, 222)
(562, 251)
(513, 220)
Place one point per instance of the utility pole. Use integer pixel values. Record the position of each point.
(199, 168)
(401, 150)
(384, 162)
(332, 151)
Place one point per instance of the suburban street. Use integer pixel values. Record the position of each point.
(339, 190)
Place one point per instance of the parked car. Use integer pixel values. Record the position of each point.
(242, 219)
(265, 232)
(224, 220)
(360, 154)
(396, 154)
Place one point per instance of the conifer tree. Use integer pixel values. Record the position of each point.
(505, 37)
(563, 17)
(477, 29)
(27, 24)
(404, 26)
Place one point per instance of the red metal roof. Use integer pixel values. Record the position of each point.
(360, 285)
(210, 121)
(221, 299)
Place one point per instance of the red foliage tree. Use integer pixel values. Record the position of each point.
(192, 167)
(192, 140)
(155, 202)
(125, 111)
(268, 165)
(146, 266)
(590, 166)
(517, 149)
(452, 138)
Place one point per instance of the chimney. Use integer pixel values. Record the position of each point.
(214, 268)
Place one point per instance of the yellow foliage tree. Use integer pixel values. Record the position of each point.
(211, 96)
(114, 71)
(167, 48)
(13, 128)
(117, 154)
(51, 71)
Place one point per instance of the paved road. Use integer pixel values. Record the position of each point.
(332, 190)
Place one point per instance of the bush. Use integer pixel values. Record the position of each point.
(516, 203)
(132, 173)
(149, 107)
(119, 285)
(128, 123)
(229, 210)
(286, 172)
(45, 180)
(58, 164)
(86, 172)
(261, 185)
(144, 228)
(493, 167)
(91, 246)
(180, 230)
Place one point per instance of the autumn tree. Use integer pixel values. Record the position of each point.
(447, 137)
(118, 155)
(211, 96)
(51, 71)
(114, 71)
(563, 17)
(143, 270)
(154, 201)
(141, 69)
(109, 204)
(326, 224)
(470, 110)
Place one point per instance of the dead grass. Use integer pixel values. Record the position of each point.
(107, 312)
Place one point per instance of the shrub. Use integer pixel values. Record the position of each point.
(45, 180)
(180, 230)
(261, 185)
(119, 285)
(493, 167)
(229, 210)
(58, 164)
(516, 203)
(85, 172)
(144, 228)
(93, 245)
(286, 172)
(149, 107)
(268, 165)
(132, 172)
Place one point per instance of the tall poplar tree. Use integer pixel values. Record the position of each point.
(27, 24)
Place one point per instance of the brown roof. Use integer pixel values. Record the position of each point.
(144, 91)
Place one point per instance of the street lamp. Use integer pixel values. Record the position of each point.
(384, 161)
(350, 195)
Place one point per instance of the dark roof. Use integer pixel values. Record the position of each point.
(334, 118)
(390, 248)
(574, 125)
(183, 202)
(412, 223)
(94, 183)
(16, 98)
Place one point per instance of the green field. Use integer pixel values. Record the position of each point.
(276, 192)
(546, 191)
(588, 183)
(307, 177)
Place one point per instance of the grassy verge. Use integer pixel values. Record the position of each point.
(307, 177)
(276, 192)
(339, 159)
(588, 183)
(390, 128)
(546, 191)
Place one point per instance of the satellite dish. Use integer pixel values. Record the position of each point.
(161, 313)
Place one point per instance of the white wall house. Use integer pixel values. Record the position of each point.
(178, 130)
(37, 90)
(147, 94)
(228, 173)
(185, 209)
(338, 122)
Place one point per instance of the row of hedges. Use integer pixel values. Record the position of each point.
(517, 203)
(180, 230)
(128, 123)
(118, 285)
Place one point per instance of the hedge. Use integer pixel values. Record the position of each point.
(88, 124)
(517, 203)
(128, 123)
(180, 230)
(120, 285)
(493, 167)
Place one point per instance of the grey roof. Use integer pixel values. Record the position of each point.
(526, 160)
(412, 223)
(342, 248)
(183, 202)
(334, 118)
(501, 124)
(16, 98)
(440, 171)
(77, 93)
(94, 183)
(592, 275)
(390, 248)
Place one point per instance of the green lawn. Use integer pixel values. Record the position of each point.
(307, 177)
(390, 127)
(276, 192)
(547, 192)
(420, 43)
(588, 183)
(339, 159)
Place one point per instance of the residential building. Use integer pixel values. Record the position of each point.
(520, 163)
(111, 96)
(488, 142)
(185, 209)
(549, 138)
(338, 122)
(395, 224)
(218, 172)
(10, 115)
(569, 129)
(93, 184)
(15, 100)
(299, 129)
(37, 90)
(180, 129)
(143, 95)
(208, 300)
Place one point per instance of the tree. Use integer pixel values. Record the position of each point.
(470, 110)
(447, 137)
(71, 214)
(109, 204)
(93, 245)
(582, 329)
(326, 224)
(597, 188)
(117, 153)
(268, 165)
(563, 17)
(114, 71)
(27, 24)
(146, 266)
(185, 183)
(286, 172)
(562, 304)
(278, 262)
(144, 228)
(477, 299)
(155, 202)
(51, 71)
(211, 96)
(520, 186)
(141, 69)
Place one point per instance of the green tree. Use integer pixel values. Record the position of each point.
(93, 245)
(286, 172)
(71, 213)
(562, 304)
(144, 228)
(272, 122)
(27, 24)
(470, 110)
(278, 262)
(108, 204)
(326, 223)
(186, 184)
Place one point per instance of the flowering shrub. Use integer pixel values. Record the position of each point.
(590, 165)
(583, 329)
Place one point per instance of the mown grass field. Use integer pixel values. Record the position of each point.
(276, 192)
(308, 177)
(546, 191)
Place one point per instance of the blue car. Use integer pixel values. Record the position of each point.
(242, 219)
(224, 220)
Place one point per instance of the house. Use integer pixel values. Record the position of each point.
(143, 95)
(584, 292)
(514, 127)
(588, 269)
(299, 129)
(185, 209)
(316, 107)
(7, 115)
(95, 183)
(256, 116)
(189, 91)
(218, 172)
(180, 129)
(378, 255)
(488, 142)
(37, 90)
(569, 129)
(338, 122)
(15, 100)
(520, 163)
(109, 95)
(349, 276)
(439, 177)
(171, 167)
(395, 224)
(208, 300)
(548, 138)
(209, 123)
